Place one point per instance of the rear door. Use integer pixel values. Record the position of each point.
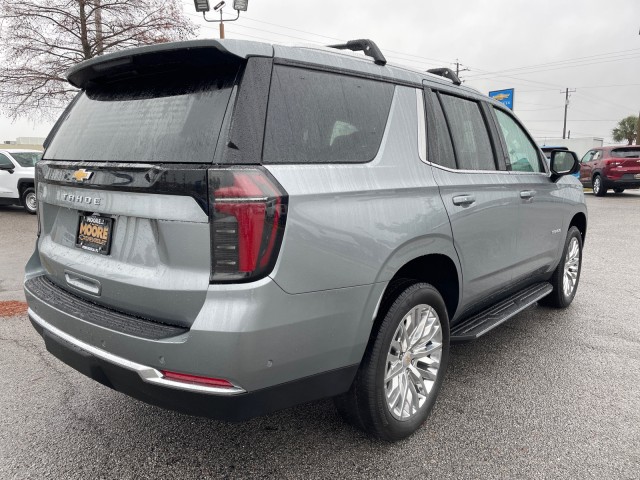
(476, 192)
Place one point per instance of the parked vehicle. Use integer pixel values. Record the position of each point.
(16, 178)
(229, 228)
(616, 167)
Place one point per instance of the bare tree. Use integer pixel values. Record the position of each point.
(41, 39)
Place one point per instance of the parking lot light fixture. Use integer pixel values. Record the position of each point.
(202, 6)
(240, 5)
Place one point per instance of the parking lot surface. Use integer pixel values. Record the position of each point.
(549, 394)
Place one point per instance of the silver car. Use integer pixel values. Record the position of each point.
(228, 228)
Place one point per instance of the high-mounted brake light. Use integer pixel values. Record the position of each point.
(248, 216)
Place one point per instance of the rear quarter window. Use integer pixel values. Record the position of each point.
(320, 117)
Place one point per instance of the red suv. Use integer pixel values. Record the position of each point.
(611, 167)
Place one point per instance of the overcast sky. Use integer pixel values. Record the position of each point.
(538, 47)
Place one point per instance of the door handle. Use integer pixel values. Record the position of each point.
(464, 200)
(526, 194)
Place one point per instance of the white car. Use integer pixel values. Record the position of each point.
(17, 178)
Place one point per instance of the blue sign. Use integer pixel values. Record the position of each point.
(503, 96)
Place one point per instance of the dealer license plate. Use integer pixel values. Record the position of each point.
(94, 233)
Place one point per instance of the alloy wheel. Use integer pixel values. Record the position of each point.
(413, 361)
(571, 267)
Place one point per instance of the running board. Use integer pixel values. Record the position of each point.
(480, 323)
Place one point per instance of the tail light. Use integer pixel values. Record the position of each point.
(248, 213)
(613, 163)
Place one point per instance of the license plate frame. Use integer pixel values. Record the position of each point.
(95, 233)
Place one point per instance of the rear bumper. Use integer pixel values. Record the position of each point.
(277, 349)
(628, 180)
(146, 384)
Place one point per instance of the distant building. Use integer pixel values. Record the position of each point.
(29, 140)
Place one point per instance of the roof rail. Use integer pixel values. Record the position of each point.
(446, 73)
(369, 48)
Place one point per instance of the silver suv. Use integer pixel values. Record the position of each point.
(227, 228)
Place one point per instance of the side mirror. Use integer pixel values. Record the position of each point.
(563, 162)
(8, 168)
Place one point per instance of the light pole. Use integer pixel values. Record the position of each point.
(203, 6)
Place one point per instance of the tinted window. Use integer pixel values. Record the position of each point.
(27, 159)
(445, 155)
(317, 117)
(469, 132)
(523, 154)
(626, 152)
(151, 120)
(5, 162)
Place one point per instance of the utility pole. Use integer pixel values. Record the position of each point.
(458, 69)
(221, 25)
(566, 106)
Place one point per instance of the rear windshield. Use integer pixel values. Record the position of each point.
(177, 119)
(27, 159)
(626, 152)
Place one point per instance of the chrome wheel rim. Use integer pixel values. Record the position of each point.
(413, 362)
(31, 201)
(571, 267)
(596, 185)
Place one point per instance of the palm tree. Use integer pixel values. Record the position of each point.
(626, 130)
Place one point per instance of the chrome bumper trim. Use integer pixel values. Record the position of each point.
(147, 374)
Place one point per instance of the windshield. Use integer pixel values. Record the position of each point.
(26, 159)
(177, 119)
(626, 153)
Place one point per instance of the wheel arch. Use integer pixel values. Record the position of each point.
(579, 221)
(23, 184)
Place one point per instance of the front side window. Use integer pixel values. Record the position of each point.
(319, 117)
(470, 135)
(5, 162)
(587, 156)
(523, 154)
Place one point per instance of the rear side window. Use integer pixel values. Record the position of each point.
(445, 157)
(319, 117)
(470, 134)
(175, 119)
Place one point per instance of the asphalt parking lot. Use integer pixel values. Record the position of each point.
(550, 394)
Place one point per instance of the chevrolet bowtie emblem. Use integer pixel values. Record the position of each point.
(82, 175)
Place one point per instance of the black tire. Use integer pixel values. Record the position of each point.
(618, 190)
(28, 199)
(557, 298)
(365, 404)
(598, 188)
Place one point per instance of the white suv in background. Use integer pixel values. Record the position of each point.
(16, 178)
